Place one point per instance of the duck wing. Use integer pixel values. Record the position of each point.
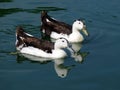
(29, 40)
(49, 24)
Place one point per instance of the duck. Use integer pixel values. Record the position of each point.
(56, 29)
(28, 44)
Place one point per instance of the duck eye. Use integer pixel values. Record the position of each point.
(63, 41)
(79, 23)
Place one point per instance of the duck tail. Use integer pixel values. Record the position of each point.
(20, 36)
(44, 16)
(20, 32)
(43, 13)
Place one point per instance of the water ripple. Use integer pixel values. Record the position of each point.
(36, 10)
(6, 1)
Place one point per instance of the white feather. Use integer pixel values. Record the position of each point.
(75, 36)
(20, 47)
(57, 36)
(40, 53)
(47, 20)
(29, 34)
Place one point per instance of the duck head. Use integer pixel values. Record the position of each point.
(63, 43)
(79, 25)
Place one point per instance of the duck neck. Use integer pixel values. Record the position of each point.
(75, 30)
(57, 47)
(75, 36)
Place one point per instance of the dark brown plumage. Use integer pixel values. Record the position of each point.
(27, 40)
(54, 25)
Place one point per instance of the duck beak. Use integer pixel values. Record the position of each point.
(71, 49)
(84, 30)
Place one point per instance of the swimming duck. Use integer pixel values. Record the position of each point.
(28, 44)
(56, 29)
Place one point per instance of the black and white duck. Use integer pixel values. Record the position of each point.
(28, 44)
(56, 29)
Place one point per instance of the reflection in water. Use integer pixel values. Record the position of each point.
(39, 9)
(76, 46)
(78, 56)
(60, 68)
(23, 57)
(6, 0)
(5, 11)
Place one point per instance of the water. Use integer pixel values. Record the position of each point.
(100, 69)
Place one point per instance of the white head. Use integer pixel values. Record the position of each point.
(61, 43)
(79, 25)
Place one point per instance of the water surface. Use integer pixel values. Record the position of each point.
(100, 69)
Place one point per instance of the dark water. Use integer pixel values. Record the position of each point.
(100, 69)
